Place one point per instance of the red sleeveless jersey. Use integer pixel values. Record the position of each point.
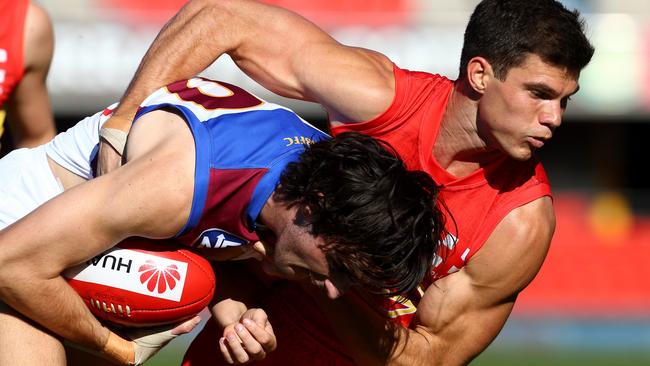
(12, 30)
(477, 203)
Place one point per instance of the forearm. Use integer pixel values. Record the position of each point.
(267, 43)
(53, 304)
(236, 288)
(31, 120)
(370, 337)
(30, 112)
(186, 45)
(227, 312)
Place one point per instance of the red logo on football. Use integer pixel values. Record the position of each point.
(155, 276)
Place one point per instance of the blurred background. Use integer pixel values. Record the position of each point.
(590, 304)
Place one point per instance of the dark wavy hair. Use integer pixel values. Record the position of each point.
(380, 222)
(505, 32)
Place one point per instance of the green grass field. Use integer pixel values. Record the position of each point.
(617, 346)
(564, 357)
(502, 356)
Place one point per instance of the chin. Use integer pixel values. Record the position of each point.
(270, 269)
(521, 154)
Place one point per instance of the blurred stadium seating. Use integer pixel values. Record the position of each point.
(593, 292)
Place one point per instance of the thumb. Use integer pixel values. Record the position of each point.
(148, 341)
(187, 326)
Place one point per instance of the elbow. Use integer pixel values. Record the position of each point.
(17, 271)
(196, 6)
(10, 274)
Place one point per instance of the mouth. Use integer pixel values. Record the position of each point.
(537, 142)
(316, 279)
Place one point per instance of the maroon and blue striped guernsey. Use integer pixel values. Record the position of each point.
(243, 145)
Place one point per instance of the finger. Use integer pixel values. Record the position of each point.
(247, 254)
(224, 254)
(254, 349)
(225, 351)
(258, 316)
(255, 251)
(260, 249)
(264, 336)
(236, 348)
(187, 326)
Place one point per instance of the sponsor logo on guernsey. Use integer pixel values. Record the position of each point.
(450, 241)
(297, 140)
(134, 271)
(398, 306)
(217, 239)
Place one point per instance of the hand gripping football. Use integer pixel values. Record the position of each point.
(142, 282)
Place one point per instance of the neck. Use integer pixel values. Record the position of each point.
(459, 147)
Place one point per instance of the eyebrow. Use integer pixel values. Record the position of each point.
(541, 87)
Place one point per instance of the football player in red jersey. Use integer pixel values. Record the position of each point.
(254, 171)
(26, 47)
(476, 136)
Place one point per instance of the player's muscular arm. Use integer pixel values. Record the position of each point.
(462, 313)
(30, 113)
(278, 48)
(150, 196)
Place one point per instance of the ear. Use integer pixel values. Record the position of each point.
(479, 72)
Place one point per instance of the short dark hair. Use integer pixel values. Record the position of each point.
(380, 222)
(505, 32)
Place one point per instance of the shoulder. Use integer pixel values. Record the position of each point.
(38, 26)
(413, 94)
(39, 38)
(516, 249)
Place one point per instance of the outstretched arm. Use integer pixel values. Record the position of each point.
(30, 113)
(90, 218)
(461, 314)
(279, 49)
(283, 51)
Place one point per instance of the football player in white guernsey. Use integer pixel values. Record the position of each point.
(344, 212)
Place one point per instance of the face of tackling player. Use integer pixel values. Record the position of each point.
(518, 115)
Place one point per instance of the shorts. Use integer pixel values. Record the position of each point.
(26, 182)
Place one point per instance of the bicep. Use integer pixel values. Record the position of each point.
(293, 57)
(458, 321)
(95, 215)
(463, 312)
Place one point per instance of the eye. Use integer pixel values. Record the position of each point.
(564, 102)
(316, 278)
(540, 94)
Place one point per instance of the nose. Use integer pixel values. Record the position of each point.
(334, 291)
(551, 116)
